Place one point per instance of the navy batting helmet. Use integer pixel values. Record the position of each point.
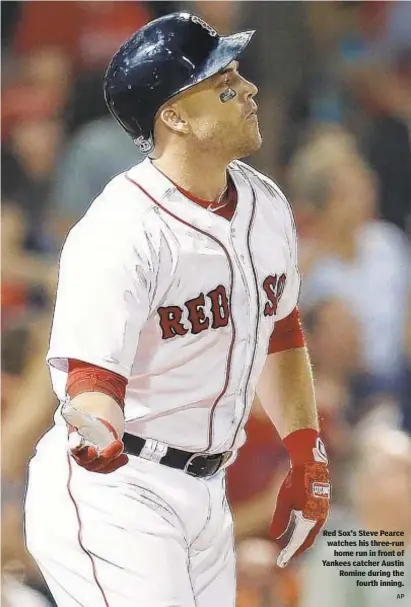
(165, 57)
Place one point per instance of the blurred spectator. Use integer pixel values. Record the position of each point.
(381, 77)
(359, 76)
(28, 164)
(34, 98)
(28, 412)
(380, 490)
(36, 87)
(91, 34)
(332, 335)
(323, 95)
(253, 482)
(347, 254)
(27, 286)
(260, 582)
(220, 14)
(13, 290)
(23, 274)
(253, 479)
(26, 415)
(277, 61)
(389, 153)
(88, 32)
(97, 152)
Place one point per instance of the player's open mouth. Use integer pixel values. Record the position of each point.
(253, 112)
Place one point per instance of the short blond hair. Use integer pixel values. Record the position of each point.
(313, 166)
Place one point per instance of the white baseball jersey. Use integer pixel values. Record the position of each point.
(178, 300)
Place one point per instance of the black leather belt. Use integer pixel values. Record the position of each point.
(195, 464)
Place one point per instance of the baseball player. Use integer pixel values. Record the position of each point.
(176, 302)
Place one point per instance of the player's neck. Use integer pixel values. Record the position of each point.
(204, 177)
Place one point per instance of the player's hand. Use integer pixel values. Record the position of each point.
(93, 442)
(304, 497)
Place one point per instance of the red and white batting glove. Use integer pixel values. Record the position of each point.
(94, 443)
(304, 498)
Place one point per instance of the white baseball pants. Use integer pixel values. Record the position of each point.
(143, 536)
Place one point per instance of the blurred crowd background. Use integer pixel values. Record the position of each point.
(335, 112)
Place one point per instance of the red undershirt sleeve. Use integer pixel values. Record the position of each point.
(287, 334)
(85, 377)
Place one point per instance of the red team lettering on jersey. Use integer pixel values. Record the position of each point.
(171, 316)
(274, 288)
(171, 322)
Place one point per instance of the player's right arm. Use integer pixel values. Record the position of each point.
(103, 300)
(95, 416)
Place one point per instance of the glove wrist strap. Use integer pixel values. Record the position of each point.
(300, 445)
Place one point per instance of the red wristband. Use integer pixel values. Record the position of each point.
(300, 445)
(85, 377)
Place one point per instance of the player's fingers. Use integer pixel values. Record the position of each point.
(310, 538)
(113, 450)
(81, 450)
(84, 455)
(105, 466)
(120, 461)
(106, 456)
(302, 528)
(90, 458)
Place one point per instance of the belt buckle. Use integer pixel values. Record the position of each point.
(223, 459)
(189, 463)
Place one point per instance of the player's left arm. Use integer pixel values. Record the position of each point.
(286, 385)
(286, 391)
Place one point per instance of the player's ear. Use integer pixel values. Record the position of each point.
(174, 118)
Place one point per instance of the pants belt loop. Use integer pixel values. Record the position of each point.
(153, 450)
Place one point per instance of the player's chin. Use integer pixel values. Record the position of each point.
(252, 142)
(257, 141)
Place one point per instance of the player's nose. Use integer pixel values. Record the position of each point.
(251, 89)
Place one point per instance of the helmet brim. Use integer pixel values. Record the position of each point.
(228, 49)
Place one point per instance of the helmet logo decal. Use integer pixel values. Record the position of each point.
(143, 144)
(204, 25)
(227, 95)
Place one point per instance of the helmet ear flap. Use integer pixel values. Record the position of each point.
(144, 144)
